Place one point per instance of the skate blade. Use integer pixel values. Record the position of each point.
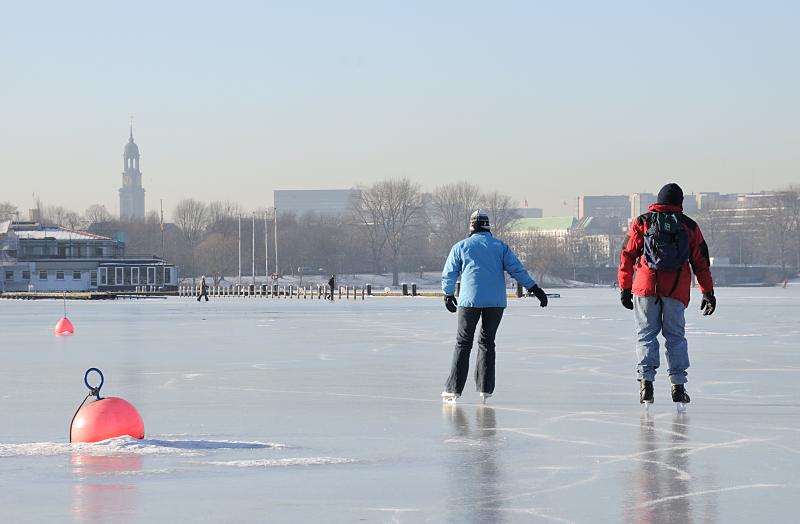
(449, 398)
(680, 407)
(647, 404)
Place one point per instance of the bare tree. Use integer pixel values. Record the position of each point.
(501, 212)
(191, 216)
(396, 205)
(792, 201)
(8, 211)
(367, 218)
(62, 217)
(450, 208)
(96, 214)
(223, 216)
(780, 231)
(543, 254)
(217, 255)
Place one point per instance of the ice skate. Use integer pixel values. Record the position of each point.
(646, 393)
(484, 396)
(449, 398)
(680, 397)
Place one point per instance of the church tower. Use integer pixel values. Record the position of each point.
(131, 194)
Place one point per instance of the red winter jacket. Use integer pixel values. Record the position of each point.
(644, 281)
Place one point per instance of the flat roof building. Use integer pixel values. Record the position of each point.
(34, 257)
(618, 206)
(324, 201)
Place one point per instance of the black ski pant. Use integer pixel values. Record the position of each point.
(484, 366)
(202, 294)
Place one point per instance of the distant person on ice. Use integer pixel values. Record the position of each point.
(203, 292)
(662, 245)
(331, 284)
(481, 261)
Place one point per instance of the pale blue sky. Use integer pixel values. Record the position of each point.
(542, 100)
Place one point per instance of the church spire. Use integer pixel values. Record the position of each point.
(131, 194)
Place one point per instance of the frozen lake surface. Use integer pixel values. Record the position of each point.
(306, 411)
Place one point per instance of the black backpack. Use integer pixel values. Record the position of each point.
(666, 244)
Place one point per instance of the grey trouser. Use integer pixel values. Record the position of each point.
(484, 367)
(655, 315)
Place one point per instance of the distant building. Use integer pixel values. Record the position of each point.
(640, 202)
(555, 226)
(593, 240)
(34, 257)
(325, 201)
(131, 194)
(618, 206)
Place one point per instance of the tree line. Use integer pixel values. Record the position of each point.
(393, 227)
(390, 227)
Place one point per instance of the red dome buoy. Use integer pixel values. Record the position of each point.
(107, 418)
(64, 327)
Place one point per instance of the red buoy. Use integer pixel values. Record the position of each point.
(107, 418)
(64, 327)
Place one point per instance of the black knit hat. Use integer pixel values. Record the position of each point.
(671, 194)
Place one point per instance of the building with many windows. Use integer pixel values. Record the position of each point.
(34, 257)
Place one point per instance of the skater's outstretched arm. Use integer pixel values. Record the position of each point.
(514, 267)
(451, 271)
(630, 254)
(701, 261)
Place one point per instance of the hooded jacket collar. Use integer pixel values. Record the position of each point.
(665, 208)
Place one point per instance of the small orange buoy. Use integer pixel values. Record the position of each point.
(64, 327)
(107, 418)
(104, 418)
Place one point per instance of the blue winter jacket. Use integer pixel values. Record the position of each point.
(481, 260)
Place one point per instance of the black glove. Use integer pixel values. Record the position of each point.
(709, 303)
(450, 303)
(626, 297)
(538, 293)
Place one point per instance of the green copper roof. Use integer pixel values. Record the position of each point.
(543, 224)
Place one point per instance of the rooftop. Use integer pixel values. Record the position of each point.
(56, 233)
(543, 224)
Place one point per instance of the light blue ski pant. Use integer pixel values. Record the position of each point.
(654, 315)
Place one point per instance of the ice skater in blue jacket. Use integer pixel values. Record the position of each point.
(481, 261)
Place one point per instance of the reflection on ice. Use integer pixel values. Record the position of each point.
(94, 499)
(663, 472)
(474, 477)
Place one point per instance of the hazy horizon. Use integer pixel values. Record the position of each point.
(543, 102)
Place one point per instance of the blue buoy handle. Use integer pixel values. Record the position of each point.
(94, 390)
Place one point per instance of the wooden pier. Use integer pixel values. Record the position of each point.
(83, 295)
(319, 292)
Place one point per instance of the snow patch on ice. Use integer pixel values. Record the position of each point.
(284, 462)
(128, 445)
(471, 442)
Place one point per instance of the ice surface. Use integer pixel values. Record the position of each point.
(307, 411)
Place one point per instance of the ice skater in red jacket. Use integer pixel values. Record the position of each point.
(664, 247)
